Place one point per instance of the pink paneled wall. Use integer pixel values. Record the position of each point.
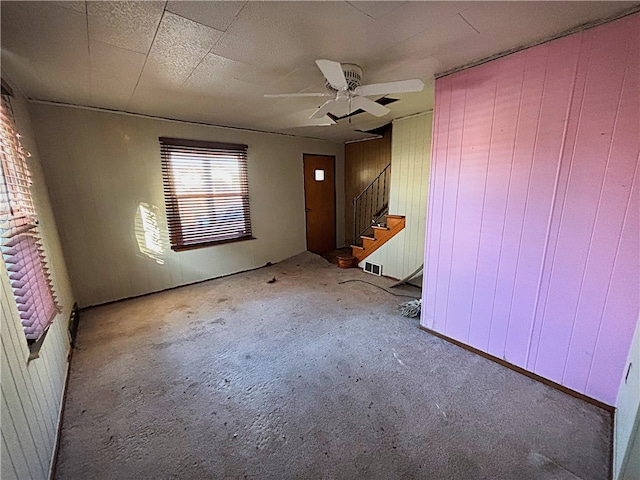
(533, 234)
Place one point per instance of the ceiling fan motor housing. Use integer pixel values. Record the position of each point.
(353, 75)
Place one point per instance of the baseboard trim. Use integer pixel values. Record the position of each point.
(522, 371)
(175, 287)
(56, 443)
(75, 316)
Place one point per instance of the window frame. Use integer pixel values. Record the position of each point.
(209, 155)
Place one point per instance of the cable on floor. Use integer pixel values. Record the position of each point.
(378, 286)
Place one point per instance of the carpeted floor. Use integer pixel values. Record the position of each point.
(306, 378)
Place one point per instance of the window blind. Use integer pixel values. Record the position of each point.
(206, 192)
(20, 241)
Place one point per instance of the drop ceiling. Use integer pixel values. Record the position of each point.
(212, 62)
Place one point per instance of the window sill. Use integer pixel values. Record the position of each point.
(181, 248)
(35, 346)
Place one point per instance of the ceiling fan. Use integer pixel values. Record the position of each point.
(343, 84)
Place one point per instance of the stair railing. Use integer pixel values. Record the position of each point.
(371, 204)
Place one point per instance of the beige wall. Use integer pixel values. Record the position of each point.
(101, 166)
(410, 160)
(32, 392)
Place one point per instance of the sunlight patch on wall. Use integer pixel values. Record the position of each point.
(148, 231)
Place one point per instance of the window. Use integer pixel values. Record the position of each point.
(206, 192)
(20, 241)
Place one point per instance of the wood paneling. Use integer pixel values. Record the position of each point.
(532, 248)
(32, 392)
(363, 163)
(410, 160)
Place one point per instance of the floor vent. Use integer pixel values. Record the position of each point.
(373, 268)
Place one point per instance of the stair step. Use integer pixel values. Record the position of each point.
(380, 232)
(395, 223)
(367, 241)
(393, 220)
(357, 250)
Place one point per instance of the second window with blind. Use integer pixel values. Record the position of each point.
(206, 192)
(20, 242)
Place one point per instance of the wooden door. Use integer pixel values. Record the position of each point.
(320, 202)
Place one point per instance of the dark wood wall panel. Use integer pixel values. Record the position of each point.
(363, 162)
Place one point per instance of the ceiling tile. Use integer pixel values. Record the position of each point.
(290, 112)
(306, 78)
(125, 24)
(195, 71)
(286, 113)
(218, 15)
(214, 71)
(363, 45)
(73, 5)
(415, 56)
(210, 106)
(467, 52)
(414, 17)
(376, 9)
(287, 35)
(441, 37)
(404, 68)
(114, 75)
(52, 64)
(177, 50)
(522, 22)
(499, 31)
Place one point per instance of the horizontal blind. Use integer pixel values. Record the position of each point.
(20, 241)
(206, 192)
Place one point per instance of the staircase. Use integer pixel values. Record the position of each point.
(381, 235)
(371, 205)
(369, 208)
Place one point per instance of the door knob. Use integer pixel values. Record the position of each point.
(307, 210)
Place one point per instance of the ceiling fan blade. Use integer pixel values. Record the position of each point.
(323, 110)
(290, 95)
(332, 71)
(369, 106)
(402, 86)
(301, 118)
(320, 122)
